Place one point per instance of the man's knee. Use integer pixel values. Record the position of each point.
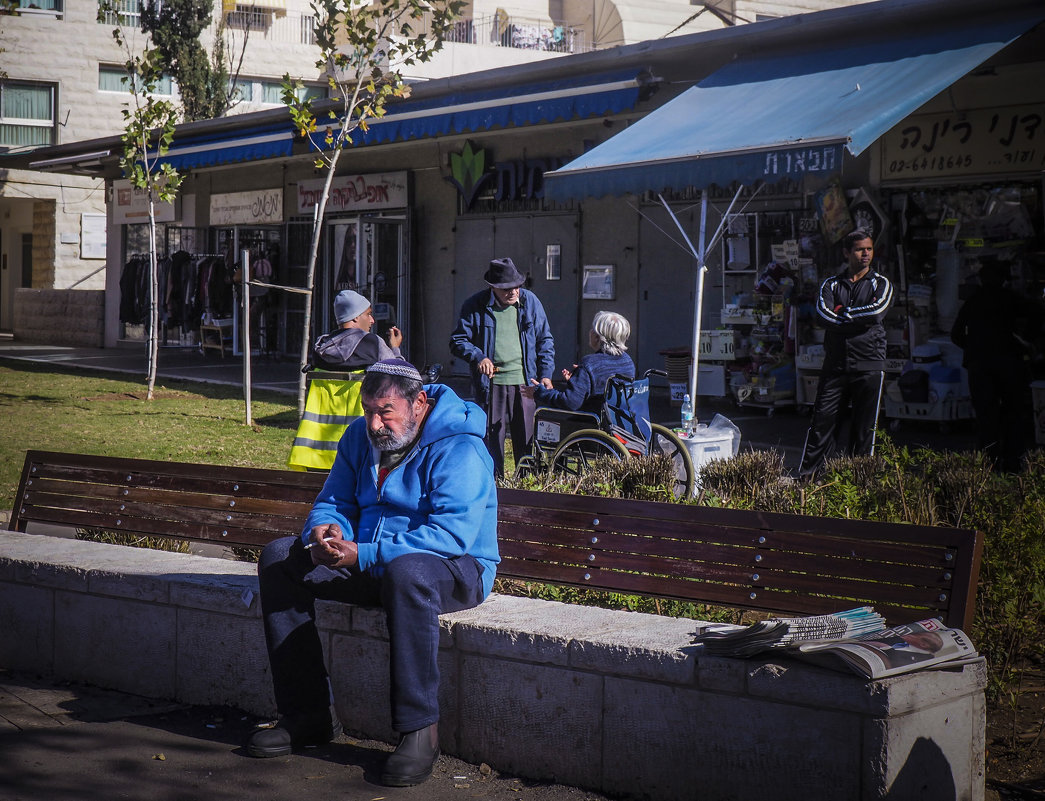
(275, 552)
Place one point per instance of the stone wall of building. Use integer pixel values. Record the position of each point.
(71, 317)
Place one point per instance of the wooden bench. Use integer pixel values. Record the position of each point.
(780, 563)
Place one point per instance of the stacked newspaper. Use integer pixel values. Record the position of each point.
(864, 646)
(784, 632)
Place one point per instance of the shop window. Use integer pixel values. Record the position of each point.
(115, 79)
(27, 113)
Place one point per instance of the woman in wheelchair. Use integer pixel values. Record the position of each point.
(587, 381)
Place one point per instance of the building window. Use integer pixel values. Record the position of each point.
(124, 13)
(115, 79)
(53, 8)
(273, 92)
(27, 114)
(241, 91)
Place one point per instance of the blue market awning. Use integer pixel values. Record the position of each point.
(246, 144)
(784, 116)
(465, 112)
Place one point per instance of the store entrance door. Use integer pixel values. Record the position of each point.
(368, 255)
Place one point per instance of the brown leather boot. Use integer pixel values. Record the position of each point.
(412, 761)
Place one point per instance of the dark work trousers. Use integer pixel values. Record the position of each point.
(1001, 401)
(836, 392)
(510, 411)
(414, 590)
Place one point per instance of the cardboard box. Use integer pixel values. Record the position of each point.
(809, 385)
(711, 380)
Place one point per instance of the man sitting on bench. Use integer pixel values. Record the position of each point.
(406, 520)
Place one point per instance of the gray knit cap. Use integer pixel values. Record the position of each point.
(348, 305)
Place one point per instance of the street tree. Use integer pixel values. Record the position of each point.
(148, 131)
(364, 48)
(206, 83)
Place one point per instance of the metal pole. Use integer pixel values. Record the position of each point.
(701, 270)
(244, 259)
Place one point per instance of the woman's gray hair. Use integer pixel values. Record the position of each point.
(613, 331)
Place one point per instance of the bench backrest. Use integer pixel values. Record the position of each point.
(786, 563)
(211, 503)
(794, 564)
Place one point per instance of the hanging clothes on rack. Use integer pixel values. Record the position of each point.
(134, 289)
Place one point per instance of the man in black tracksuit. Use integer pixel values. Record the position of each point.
(851, 307)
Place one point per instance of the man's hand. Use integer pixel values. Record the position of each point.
(395, 337)
(330, 548)
(486, 367)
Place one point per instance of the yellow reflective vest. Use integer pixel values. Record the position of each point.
(332, 404)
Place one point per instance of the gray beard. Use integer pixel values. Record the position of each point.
(385, 440)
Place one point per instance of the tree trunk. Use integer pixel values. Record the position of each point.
(154, 302)
(310, 277)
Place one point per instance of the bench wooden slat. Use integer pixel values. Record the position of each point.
(535, 507)
(683, 572)
(88, 478)
(933, 559)
(67, 494)
(229, 534)
(715, 563)
(157, 518)
(790, 564)
(765, 600)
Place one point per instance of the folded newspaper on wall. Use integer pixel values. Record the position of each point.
(874, 653)
(901, 649)
(742, 641)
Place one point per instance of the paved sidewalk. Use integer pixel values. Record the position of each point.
(64, 742)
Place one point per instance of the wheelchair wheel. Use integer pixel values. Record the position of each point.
(664, 441)
(582, 448)
(526, 467)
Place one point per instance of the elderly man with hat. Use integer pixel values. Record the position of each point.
(406, 521)
(354, 346)
(504, 336)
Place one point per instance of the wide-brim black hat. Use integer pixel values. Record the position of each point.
(503, 275)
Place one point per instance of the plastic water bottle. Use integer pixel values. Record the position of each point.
(687, 414)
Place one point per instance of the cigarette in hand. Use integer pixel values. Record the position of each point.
(325, 539)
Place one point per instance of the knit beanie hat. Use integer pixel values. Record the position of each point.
(348, 305)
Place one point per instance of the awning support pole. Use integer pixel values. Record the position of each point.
(702, 268)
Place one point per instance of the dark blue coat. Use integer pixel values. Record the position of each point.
(587, 384)
(473, 339)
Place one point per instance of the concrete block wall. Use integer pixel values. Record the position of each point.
(619, 702)
(74, 317)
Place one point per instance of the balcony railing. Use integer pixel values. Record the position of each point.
(270, 27)
(500, 30)
(121, 13)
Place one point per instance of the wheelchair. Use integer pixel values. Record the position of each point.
(568, 442)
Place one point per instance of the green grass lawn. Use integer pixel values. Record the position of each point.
(104, 414)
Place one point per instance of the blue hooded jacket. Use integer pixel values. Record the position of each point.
(440, 499)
